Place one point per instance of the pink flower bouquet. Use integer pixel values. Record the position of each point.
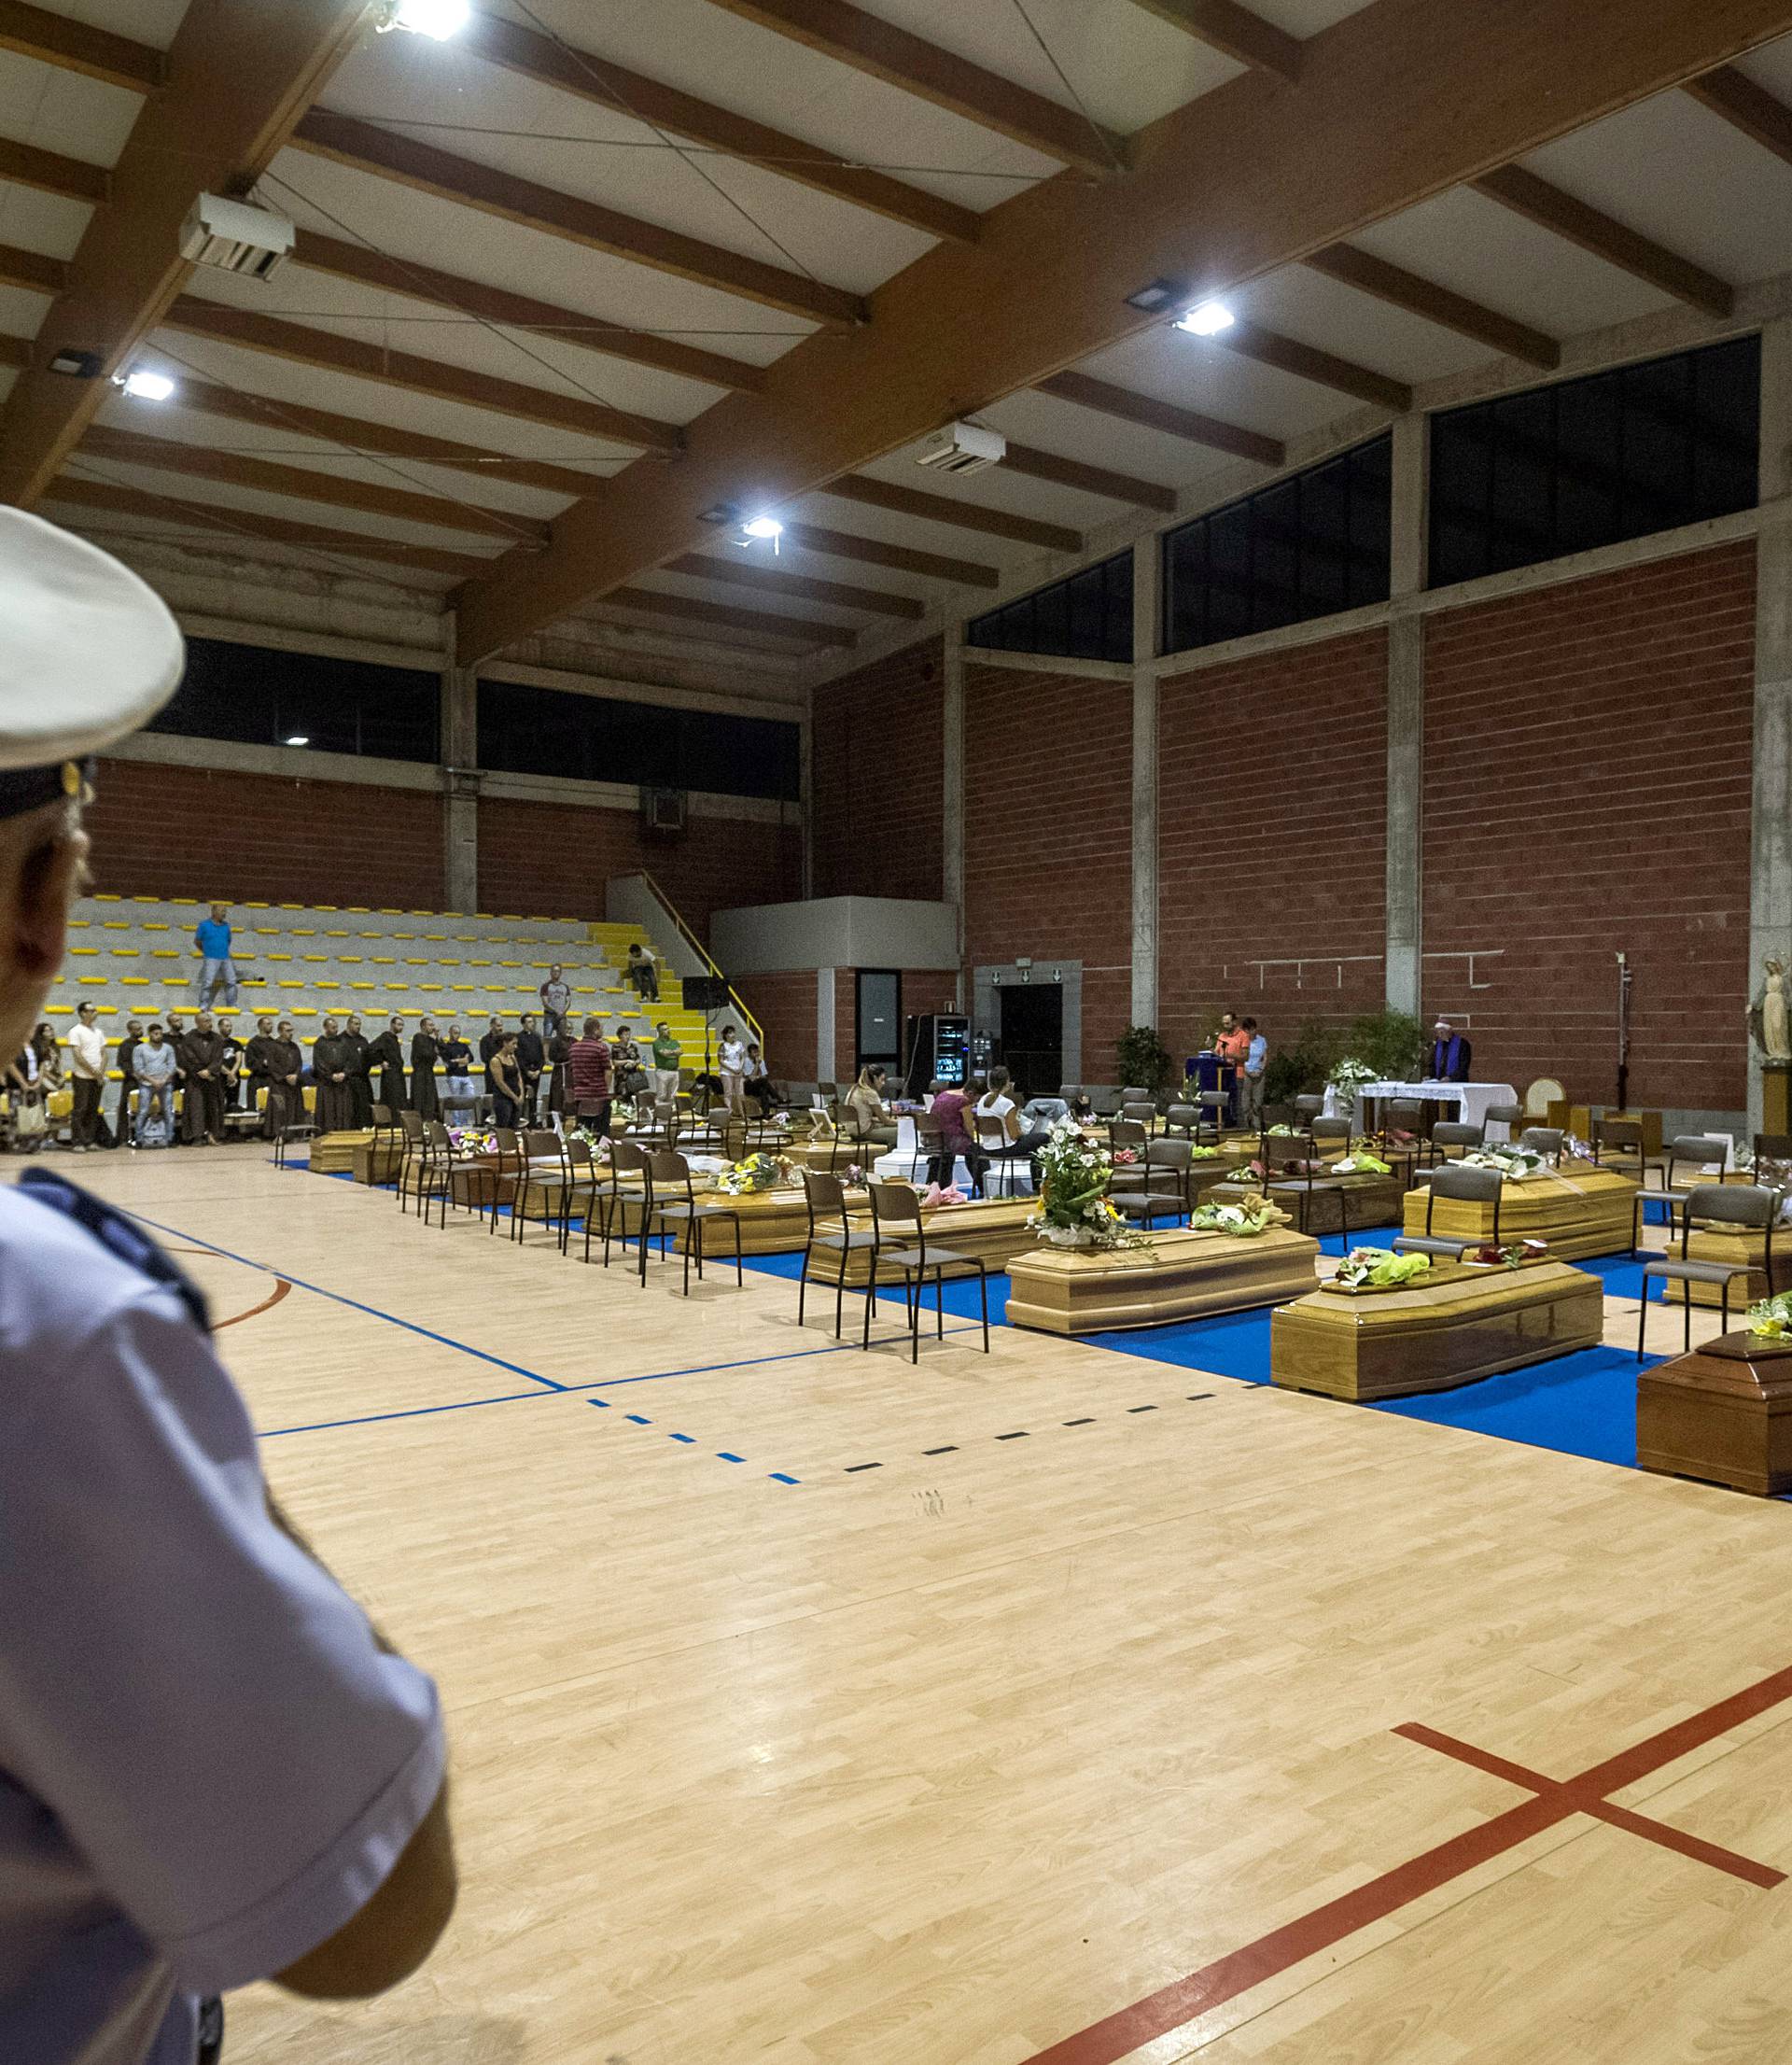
(934, 1196)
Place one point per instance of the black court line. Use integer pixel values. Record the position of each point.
(1024, 1433)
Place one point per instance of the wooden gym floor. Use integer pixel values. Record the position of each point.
(1194, 1720)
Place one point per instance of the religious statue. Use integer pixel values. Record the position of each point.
(1767, 1019)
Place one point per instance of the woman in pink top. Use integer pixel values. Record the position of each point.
(950, 1105)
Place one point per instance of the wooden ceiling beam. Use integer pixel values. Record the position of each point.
(1152, 415)
(359, 433)
(1577, 223)
(1351, 266)
(944, 509)
(343, 260)
(872, 552)
(75, 180)
(239, 77)
(51, 171)
(1035, 465)
(1248, 179)
(718, 616)
(1747, 106)
(426, 169)
(330, 353)
(32, 270)
(1235, 31)
(1324, 369)
(796, 587)
(74, 47)
(115, 498)
(613, 87)
(305, 484)
(870, 44)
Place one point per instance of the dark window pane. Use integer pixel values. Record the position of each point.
(546, 731)
(257, 697)
(1595, 461)
(1306, 547)
(1087, 616)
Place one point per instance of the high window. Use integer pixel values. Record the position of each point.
(259, 696)
(1087, 617)
(1309, 546)
(1591, 462)
(549, 731)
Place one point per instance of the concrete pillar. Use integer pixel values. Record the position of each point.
(1146, 564)
(825, 1063)
(1404, 889)
(1769, 888)
(952, 800)
(461, 786)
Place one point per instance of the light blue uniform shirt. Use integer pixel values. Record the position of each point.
(206, 1765)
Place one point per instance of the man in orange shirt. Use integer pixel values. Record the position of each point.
(1231, 1043)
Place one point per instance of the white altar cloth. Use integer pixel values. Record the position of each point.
(1470, 1099)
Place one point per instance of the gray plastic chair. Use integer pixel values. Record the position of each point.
(1478, 1185)
(1543, 1140)
(1451, 1133)
(1158, 1187)
(1741, 1205)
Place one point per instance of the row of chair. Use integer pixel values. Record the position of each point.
(560, 1176)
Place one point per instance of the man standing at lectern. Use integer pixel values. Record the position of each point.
(1451, 1055)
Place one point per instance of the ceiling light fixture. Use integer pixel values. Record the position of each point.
(299, 738)
(440, 19)
(756, 528)
(1206, 319)
(142, 384)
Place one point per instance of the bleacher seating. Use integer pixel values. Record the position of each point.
(133, 957)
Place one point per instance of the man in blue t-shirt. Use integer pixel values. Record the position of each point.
(212, 943)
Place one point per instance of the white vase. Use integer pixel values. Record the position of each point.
(1067, 1236)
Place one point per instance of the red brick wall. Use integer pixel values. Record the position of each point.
(1587, 788)
(162, 831)
(1048, 835)
(878, 779)
(552, 859)
(1272, 778)
(784, 1004)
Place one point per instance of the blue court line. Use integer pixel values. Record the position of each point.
(409, 1413)
(689, 1440)
(374, 1312)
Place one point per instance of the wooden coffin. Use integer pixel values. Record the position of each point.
(1182, 1275)
(1722, 1414)
(1455, 1325)
(1577, 1211)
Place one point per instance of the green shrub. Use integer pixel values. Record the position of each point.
(1141, 1056)
(1393, 1043)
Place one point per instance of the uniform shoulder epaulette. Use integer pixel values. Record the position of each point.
(118, 1235)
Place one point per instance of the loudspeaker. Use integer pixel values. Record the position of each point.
(706, 992)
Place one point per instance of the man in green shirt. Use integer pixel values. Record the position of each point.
(667, 1054)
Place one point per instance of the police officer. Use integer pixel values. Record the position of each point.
(212, 1769)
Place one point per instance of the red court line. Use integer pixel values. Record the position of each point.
(236, 1319)
(1585, 1798)
(280, 1289)
(1112, 2038)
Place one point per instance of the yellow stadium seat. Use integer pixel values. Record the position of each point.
(250, 903)
(102, 897)
(95, 949)
(135, 983)
(91, 982)
(286, 984)
(279, 957)
(163, 953)
(363, 985)
(149, 925)
(359, 910)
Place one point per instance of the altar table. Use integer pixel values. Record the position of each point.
(1470, 1099)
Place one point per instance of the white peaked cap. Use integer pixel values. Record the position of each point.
(88, 654)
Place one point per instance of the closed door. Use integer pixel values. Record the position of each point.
(880, 1017)
(1033, 1037)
